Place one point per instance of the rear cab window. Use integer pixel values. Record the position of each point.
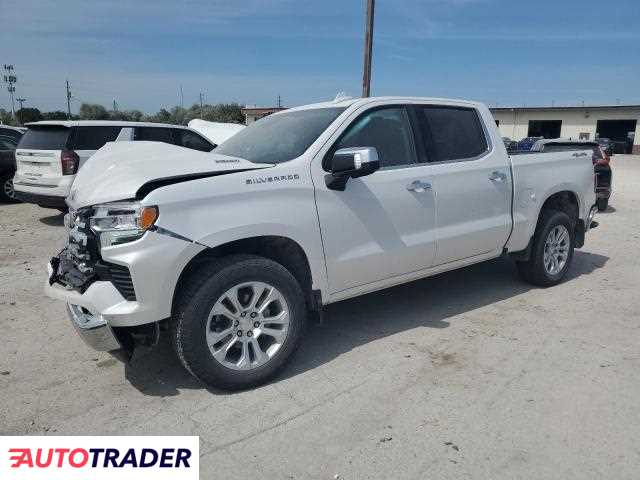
(451, 133)
(45, 137)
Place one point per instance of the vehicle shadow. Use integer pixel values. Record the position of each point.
(55, 220)
(427, 303)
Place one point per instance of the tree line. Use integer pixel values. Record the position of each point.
(221, 112)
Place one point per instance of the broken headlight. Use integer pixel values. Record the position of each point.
(121, 222)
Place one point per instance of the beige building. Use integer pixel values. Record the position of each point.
(620, 123)
(251, 114)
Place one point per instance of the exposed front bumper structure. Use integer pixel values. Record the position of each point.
(93, 329)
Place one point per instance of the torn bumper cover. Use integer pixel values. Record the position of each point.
(84, 308)
(108, 290)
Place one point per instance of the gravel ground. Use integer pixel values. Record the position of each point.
(468, 374)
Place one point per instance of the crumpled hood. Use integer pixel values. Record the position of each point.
(119, 169)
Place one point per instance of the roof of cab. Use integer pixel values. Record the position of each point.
(344, 102)
(101, 123)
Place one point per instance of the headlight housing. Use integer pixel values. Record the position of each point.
(121, 222)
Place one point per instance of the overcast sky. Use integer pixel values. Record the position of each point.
(509, 52)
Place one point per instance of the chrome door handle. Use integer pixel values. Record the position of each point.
(418, 186)
(497, 176)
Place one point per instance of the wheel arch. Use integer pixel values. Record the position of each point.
(281, 249)
(563, 200)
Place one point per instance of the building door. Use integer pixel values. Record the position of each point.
(620, 132)
(545, 128)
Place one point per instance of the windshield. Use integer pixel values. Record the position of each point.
(281, 137)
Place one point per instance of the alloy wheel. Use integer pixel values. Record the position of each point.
(556, 249)
(247, 325)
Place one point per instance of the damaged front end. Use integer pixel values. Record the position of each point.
(78, 266)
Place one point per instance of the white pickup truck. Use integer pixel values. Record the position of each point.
(231, 251)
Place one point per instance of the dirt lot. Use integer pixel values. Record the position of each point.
(468, 374)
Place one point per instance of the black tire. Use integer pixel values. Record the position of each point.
(533, 270)
(198, 295)
(602, 204)
(6, 189)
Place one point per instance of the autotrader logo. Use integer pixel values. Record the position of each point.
(97, 458)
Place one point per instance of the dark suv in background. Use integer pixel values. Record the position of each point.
(9, 138)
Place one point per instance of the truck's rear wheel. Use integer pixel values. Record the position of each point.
(552, 250)
(237, 320)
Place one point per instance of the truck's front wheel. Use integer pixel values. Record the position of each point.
(237, 320)
(552, 250)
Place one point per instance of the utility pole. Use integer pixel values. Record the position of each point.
(368, 49)
(181, 97)
(201, 102)
(115, 105)
(10, 79)
(21, 101)
(68, 101)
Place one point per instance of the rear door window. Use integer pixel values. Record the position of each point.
(189, 139)
(451, 133)
(94, 138)
(154, 134)
(50, 137)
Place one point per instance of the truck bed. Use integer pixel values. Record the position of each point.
(532, 185)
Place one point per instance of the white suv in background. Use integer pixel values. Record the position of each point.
(51, 152)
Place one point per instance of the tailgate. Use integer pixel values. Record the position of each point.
(38, 165)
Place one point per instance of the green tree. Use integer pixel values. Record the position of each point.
(163, 116)
(89, 111)
(26, 115)
(6, 118)
(55, 115)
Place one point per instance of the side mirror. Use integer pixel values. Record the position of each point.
(351, 163)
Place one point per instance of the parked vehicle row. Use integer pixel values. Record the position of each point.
(231, 250)
(50, 153)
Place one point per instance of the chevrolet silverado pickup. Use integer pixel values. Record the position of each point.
(230, 252)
